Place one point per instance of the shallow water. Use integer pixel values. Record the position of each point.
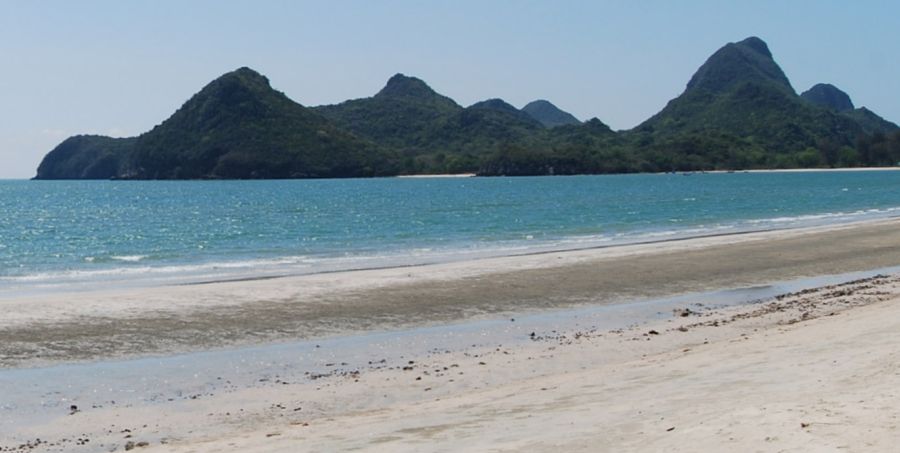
(66, 235)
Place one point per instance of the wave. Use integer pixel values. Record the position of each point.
(125, 276)
(817, 219)
(111, 258)
(128, 258)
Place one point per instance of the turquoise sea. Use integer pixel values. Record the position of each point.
(71, 235)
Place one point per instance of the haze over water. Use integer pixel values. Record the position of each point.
(61, 235)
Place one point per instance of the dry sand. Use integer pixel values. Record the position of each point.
(813, 371)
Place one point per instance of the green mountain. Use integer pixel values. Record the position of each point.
(434, 134)
(235, 127)
(736, 63)
(86, 157)
(870, 122)
(482, 127)
(548, 114)
(832, 98)
(401, 115)
(739, 110)
(592, 133)
(828, 96)
(591, 147)
(502, 106)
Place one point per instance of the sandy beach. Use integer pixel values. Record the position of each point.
(812, 372)
(815, 369)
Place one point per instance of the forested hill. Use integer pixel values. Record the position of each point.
(738, 111)
(548, 114)
(236, 127)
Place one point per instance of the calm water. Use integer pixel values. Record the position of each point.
(80, 234)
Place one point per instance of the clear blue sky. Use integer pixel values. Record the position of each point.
(121, 67)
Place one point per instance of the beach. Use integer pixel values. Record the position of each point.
(779, 381)
(543, 368)
(449, 227)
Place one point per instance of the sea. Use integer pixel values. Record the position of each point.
(84, 235)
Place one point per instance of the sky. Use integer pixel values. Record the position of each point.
(121, 67)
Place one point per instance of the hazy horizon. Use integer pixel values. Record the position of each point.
(116, 68)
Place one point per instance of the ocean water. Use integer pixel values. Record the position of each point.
(72, 235)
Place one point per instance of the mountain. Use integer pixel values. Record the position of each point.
(433, 132)
(237, 126)
(737, 111)
(828, 96)
(500, 105)
(548, 114)
(86, 157)
(740, 110)
(746, 61)
(484, 126)
(832, 98)
(870, 122)
(570, 149)
(407, 114)
(400, 115)
(580, 132)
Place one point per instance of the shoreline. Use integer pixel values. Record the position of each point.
(789, 170)
(472, 175)
(803, 170)
(80, 287)
(438, 175)
(116, 324)
(533, 253)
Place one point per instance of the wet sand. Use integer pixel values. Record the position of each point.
(813, 370)
(127, 323)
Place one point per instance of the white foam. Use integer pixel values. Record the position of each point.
(840, 215)
(128, 258)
